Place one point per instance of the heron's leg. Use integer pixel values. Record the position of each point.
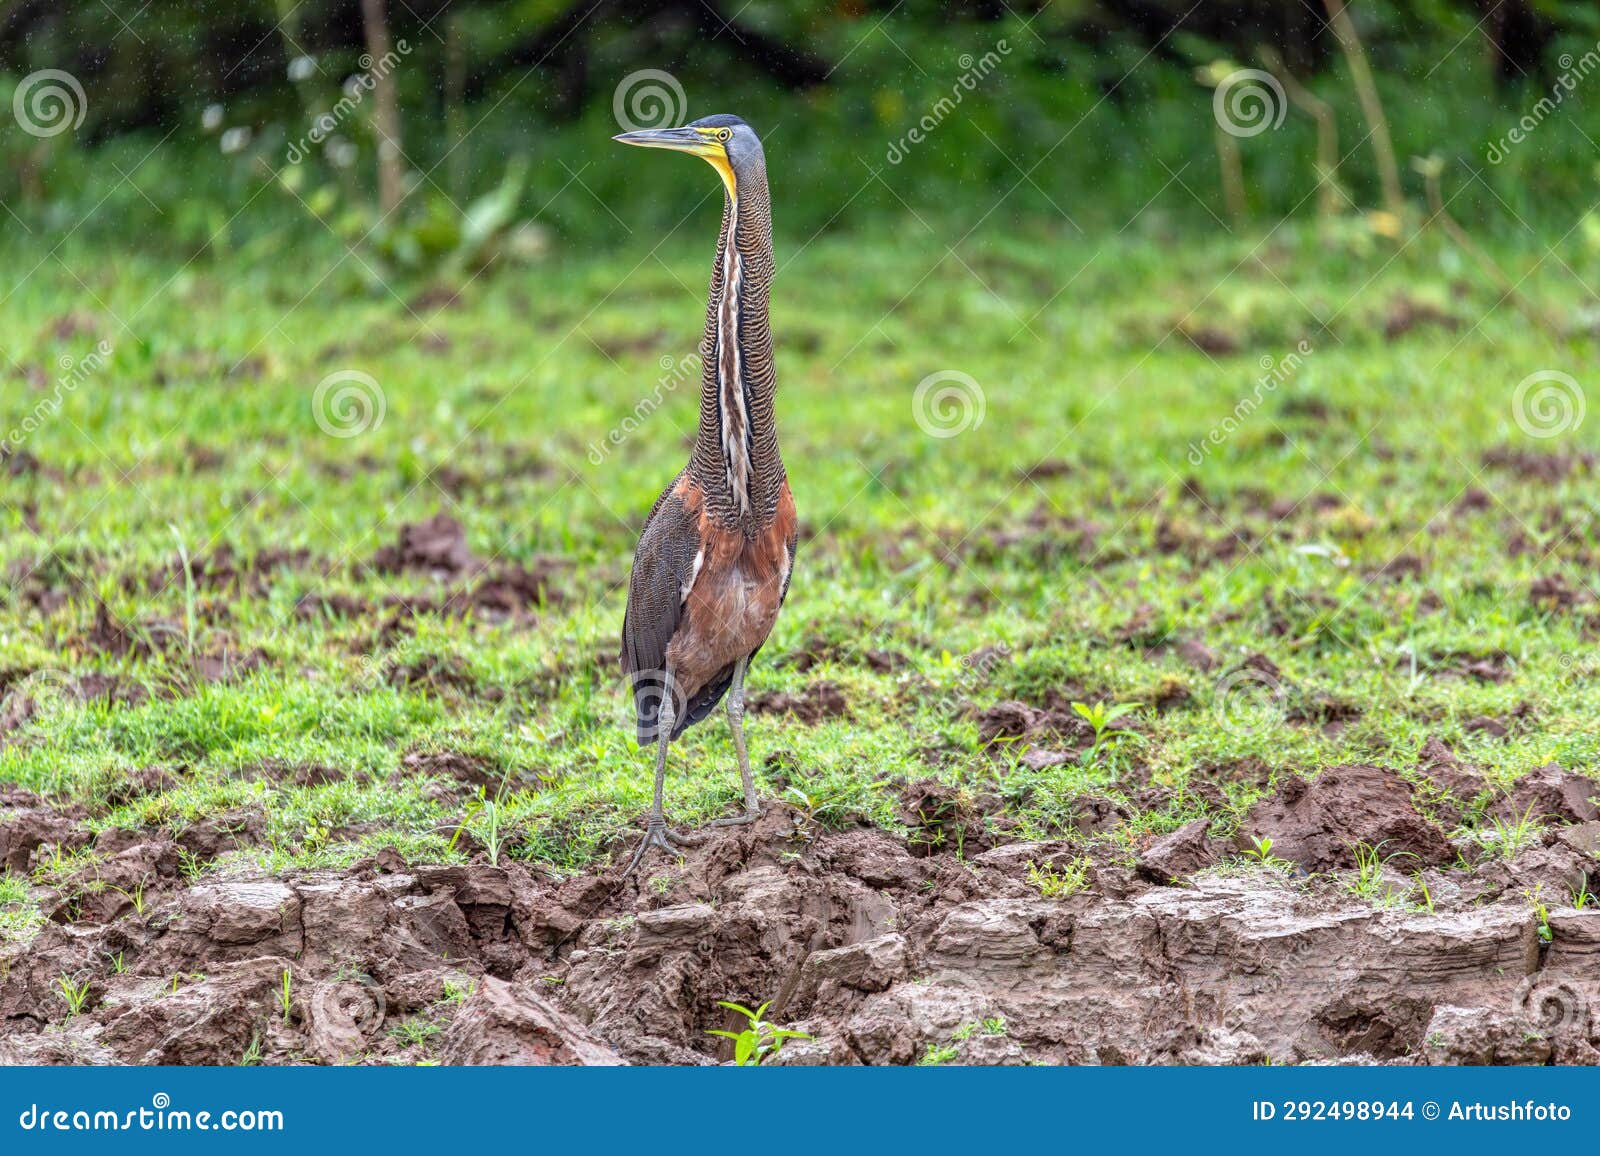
(752, 805)
(656, 832)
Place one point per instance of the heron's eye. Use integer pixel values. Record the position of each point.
(724, 134)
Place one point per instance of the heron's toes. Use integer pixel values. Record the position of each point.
(655, 836)
(749, 816)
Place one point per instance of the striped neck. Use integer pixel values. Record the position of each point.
(736, 459)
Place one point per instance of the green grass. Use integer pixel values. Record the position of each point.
(198, 430)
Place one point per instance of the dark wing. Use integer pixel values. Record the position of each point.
(662, 565)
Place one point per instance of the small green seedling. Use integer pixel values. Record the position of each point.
(135, 897)
(1369, 882)
(1059, 883)
(76, 995)
(1541, 912)
(1506, 837)
(1260, 850)
(1101, 717)
(285, 994)
(1582, 897)
(758, 1041)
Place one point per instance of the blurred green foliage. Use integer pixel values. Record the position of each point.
(196, 116)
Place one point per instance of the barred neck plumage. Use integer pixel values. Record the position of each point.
(735, 458)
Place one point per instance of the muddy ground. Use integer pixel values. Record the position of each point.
(886, 949)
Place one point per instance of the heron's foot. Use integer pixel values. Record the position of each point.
(751, 814)
(655, 836)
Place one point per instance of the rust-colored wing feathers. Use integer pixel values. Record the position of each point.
(701, 597)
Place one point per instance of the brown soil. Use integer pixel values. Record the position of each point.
(880, 947)
(817, 702)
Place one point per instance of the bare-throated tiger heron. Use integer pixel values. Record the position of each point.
(713, 564)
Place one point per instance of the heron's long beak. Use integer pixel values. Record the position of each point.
(683, 140)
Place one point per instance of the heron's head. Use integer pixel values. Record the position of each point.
(728, 144)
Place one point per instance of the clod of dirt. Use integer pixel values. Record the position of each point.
(1210, 339)
(1318, 822)
(227, 665)
(1402, 565)
(1178, 854)
(1552, 592)
(1407, 313)
(1535, 465)
(818, 650)
(436, 673)
(509, 589)
(1481, 1036)
(219, 834)
(471, 772)
(312, 606)
(223, 571)
(1018, 720)
(504, 1024)
(26, 825)
(1550, 793)
(874, 965)
(1458, 784)
(1197, 654)
(819, 701)
(1009, 720)
(111, 637)
(437, 547)
(941, 818)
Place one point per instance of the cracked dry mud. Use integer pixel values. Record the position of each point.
(1193, 956)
